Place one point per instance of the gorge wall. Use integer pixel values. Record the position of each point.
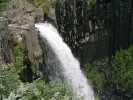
(92, 31)
(95, 31)
(19, 40)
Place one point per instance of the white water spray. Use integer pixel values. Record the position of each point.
(66, 67)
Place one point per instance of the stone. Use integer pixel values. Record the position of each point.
(22, 16)
(6, 54)
(22, 29)
(18, 8)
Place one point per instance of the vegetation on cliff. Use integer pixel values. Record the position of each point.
(19, 55)
(114, 76)
(45, 4)
(11, 87)
(3, 3)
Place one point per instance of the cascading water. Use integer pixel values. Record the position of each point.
(63, 64)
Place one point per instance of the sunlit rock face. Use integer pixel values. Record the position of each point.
(18, 8)
(21, 17)
(90, 29)
(22, 30)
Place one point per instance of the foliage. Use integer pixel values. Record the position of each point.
(19, 54)
(95, 72)
(40, 91)
(3, 3)
(9, 79)
(91, 1)
(122, 73)
(53, 2)
(114, 76)
(11, 87)
(44, 4)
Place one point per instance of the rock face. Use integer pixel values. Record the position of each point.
(51, 16)
(24, 42)
(6, 53)
(24, 31)
(19, 40)
(95, 31)
(19, 8)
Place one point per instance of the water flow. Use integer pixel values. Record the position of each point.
(66, 67)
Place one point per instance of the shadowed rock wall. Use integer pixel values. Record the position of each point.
(95, 31)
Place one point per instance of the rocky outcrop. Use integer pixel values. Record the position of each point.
(51, 16)
(23, 31)
(25, 46)
(6, 53)
(19, 8)
(19, 41)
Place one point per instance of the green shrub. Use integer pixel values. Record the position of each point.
(19, 55)
(3, 3)
(38, 90)
(122, 73)
(96, 72)
(44, 4)
(11, 88)
(9, 79)
(114, 76)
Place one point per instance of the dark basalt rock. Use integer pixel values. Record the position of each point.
(96, 30)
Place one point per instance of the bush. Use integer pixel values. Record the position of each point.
(9, 79)
(19, 55)
(113, 77)
(96, 72)
(44, 4)
(122, 73)
(40, 91)
(11, 88)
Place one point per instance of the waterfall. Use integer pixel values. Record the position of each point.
(62, 63)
